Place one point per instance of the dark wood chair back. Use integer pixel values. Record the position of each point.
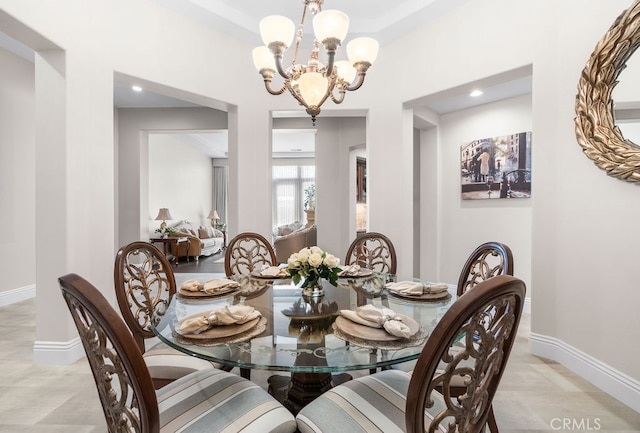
(144, 283)
(472, 342)
(372, 251)
(486, 261)
(246, 252)
(124, 385)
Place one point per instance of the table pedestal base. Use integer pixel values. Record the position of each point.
(302, 388)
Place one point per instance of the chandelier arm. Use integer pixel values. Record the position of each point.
(357, 84)
(267, 85)
(331, 53)
(281, 71)
(339, 98)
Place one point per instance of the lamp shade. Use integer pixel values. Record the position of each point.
(164, 215)
(313, 87)
(213, 215)
(346, 71)
(276, 28)
(263, 59)
(330, 24)
(362, 50)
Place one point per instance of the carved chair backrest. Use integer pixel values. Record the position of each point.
(486, 261)
(474, 340)
(246, 252)
(372, 251)
(144, 283)
(124, 385)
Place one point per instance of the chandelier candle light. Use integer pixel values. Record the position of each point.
(313, 83)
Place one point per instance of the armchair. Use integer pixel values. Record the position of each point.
(286, 245)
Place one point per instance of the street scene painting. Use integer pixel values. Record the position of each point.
(497, 167)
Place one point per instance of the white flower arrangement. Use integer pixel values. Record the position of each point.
(312, 264)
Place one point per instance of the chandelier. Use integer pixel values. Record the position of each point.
(313, 83)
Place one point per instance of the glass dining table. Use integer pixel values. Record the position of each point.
(299, 334)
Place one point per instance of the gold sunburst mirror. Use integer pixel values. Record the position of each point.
(596, 131)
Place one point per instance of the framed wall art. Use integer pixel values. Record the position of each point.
(497, 167)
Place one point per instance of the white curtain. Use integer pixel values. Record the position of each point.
(220, 184)
(289, 183)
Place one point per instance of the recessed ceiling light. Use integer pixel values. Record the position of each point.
(476, 93)
(136, 88)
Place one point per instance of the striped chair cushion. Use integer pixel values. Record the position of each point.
(170, 364)
(216, 401)
(374, 403)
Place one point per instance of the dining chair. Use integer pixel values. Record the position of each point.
(394, 400)
(372, 251)
(209, 400)
(144, 284)
(486, 261)
(248, 251)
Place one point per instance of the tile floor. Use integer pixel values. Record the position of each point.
(535, 395)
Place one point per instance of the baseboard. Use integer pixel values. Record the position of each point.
(58, 352)
(12, 296)
(526, 308)
(615, 383)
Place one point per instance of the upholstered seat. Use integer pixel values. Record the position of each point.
(396, 401)
(208, 400)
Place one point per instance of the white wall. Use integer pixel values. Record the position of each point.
(465, 224)
(17, 178)
(584, 236)
(134, 126)
(181, 179)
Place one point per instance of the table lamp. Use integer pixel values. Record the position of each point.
(163, 215)
(214, 217)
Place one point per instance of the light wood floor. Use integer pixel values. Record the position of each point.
(535, 395)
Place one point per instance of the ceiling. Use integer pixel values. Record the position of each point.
(381, 19)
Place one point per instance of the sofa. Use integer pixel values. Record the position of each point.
(293, 241)
(203, 240)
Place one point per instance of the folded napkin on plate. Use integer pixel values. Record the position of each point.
(192, 286)
(274, 271)
(218, 284)
(349, 270)
(369, 315)
(227, 315)
(416, 288)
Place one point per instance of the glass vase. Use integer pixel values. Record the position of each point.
(312, 288)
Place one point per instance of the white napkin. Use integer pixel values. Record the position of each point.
(416, 288)
(192, 285)
(227, 315)
(218, 284)
(349, 270)
(274, 271)
(386, 318)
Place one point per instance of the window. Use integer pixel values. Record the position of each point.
(289, 183)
